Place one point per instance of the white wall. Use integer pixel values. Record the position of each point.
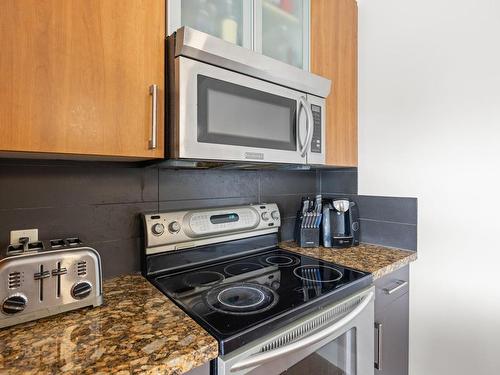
(429, 127)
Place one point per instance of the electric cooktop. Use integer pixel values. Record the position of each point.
(242, 299)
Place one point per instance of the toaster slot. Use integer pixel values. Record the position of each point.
(15, 249)
(58, 272)
(35, 246)
(73, 241)
(57, 243)
(40, 276)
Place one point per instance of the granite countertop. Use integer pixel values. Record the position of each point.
(140, 331)
(378, 260)
(137, 331)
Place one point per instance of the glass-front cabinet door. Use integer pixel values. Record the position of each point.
(275, 28)
(282, 30)
(230, 20)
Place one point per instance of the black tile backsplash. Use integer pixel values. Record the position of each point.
(387, 221)
(386, 233)
(343, 181)
(205, 203)
(288, 182)
(29, 186)
(394, 209)
(288, 204)
(207, 184)
(101, 202)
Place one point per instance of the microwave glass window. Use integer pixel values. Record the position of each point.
(231, 114)
(220, 18)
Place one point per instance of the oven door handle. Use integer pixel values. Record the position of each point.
(303, 146)
(260, 358)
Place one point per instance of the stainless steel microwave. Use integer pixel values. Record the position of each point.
(229, 104)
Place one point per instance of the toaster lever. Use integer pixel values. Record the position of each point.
(42, 275)
(59, 271)
(24, 241)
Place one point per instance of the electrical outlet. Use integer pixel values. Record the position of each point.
(15, 235)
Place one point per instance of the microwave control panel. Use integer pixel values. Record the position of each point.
(316, 138)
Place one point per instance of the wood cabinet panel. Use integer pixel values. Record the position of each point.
(75, 76)
(334, 25)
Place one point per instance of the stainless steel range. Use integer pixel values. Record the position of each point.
(272, 311)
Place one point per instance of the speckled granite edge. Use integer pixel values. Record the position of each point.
(137, 331)
(395, 266)
(378, 260)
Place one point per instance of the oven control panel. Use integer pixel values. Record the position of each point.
(186, 229)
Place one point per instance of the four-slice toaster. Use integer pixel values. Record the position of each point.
(39, 281)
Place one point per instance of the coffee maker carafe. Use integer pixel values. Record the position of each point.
(340, 225)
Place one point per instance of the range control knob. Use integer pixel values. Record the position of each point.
(14, 304)
(275, 215)
(81, 290)
(265, 216)
(158, 229)
(174, 227)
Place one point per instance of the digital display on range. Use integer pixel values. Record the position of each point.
(226, 218)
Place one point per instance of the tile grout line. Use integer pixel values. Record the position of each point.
(158, 190)
(259, 189)
(387, 221)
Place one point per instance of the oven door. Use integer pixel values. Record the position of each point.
(227, 116)
(337, 340)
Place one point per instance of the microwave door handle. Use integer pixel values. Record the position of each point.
(310, 128)
(264, 357)
(302, 146)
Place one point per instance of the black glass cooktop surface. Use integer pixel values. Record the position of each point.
(242, 299)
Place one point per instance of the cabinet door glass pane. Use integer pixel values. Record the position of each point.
(283, 30)
(221, 18)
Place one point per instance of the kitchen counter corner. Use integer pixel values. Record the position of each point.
(378, 260)
(137, 330)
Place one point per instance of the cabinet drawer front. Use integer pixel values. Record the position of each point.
(391, 287)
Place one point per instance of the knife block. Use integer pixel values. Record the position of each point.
(305, 237)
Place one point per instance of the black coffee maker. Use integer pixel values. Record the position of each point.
(340, 223)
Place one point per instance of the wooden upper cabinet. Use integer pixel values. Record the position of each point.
(334, 45)
(75, 76)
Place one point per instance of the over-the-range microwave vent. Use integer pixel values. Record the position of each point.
(201, 164)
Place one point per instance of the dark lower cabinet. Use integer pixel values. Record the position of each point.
(201, 370)
(392, 323)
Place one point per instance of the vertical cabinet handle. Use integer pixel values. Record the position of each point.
(378, 360)
(153, 91)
